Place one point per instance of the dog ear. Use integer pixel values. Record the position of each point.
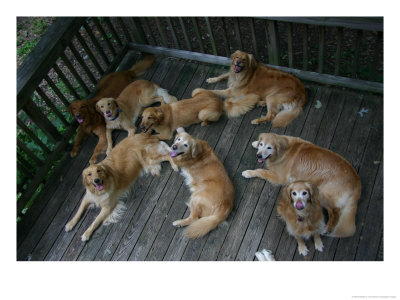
(281, 144)
(256, 143)
(180, 129)
(287, 193)
(197, 148)
(85, 180)
(252, 61)
(234, 53)
(313, 191)
(69, 109)
(98, 108)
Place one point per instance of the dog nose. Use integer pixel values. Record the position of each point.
(96, 180)
(174, 147)
(259, 156)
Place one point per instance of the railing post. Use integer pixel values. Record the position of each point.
(271, 29)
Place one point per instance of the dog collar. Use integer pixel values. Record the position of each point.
(116, 116)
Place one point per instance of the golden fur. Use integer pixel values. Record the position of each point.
(84, 111)
(203, 107)
(283, 93)
(290, 159)
(122, 112)
(106, 181)
(301, 209)
(212, 192)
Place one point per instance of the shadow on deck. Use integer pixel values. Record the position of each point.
(331, 119)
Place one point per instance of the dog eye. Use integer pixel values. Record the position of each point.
(304, 193)
(261, 144)
(109, 104)
(294, 193)
(90, 174)
(98, 171)
(186, 145)
(269, 147)
(102, 106)
(149, 118)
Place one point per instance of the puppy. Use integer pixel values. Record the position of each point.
(212, 192)
(289, 159)
(283, 93)
(106, 181)
(84, 111)
(123, 111)
(203, 107)
(301, 209)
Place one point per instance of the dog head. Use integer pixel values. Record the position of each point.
(301, 194)
(95, 179)
(242, 61)
(151, 116)
(270, 146)
(81, 110)
(107, 106)
(184, 144)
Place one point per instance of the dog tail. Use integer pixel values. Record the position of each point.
(238, 106)
(141, 66)
(285, 116)
(203, 226)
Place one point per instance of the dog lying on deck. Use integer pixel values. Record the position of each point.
(106, 181)
(84, 111)
(289, 159)
(301, 209)
(123, 111)
(212, 191)
(203, 107)
(283, 93)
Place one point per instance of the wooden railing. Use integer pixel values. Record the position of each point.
(76, 52)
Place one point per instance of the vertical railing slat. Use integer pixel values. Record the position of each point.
(29, 153)
(104, 34)
(71, 68)
(147, 27)
(185, 35)
(113, 31)
(339, 39)
(228, 48)
(176, 43)
(161, 31)
(305, 47)
(84, 66)
(50, 104)
(66, 82)
(321, 49)
(237, 32)
(89, 52)
(124, 29)
(96, 43)
(59, 94)
(29, 132)
(290, 43)
(374, 68)
(213, 45)
(273, 41)
(253, 38)
(197, 32)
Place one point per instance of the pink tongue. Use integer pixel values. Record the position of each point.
(99, 187)
(173, 153)
(109, 114)
(237, 69)
(79, 120)
(299, 205)
(260, 160)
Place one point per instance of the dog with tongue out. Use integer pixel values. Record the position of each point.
(301, 209)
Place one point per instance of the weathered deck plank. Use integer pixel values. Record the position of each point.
(153, 203)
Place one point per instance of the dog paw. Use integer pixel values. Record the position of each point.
(211, 80)
(73, 153)
(108, 151)
(177, 223)
(85, 237)
(319, 246)
(247, 174)
(255, 122)
(303, 250)
(68, 227)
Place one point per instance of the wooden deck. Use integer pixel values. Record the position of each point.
(153, 203)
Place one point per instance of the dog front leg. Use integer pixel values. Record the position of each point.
(77, 141)
(218, 78)
(109, 140)
(333, 214)
(303, 250)
(71, 224)
(101, 147)
(104, 213)
(263, 174)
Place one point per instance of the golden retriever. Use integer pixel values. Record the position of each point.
(301, 209)
(212, 192)
(284, 94)
(122, 112)
(106, 181)
(84, 111)
(290, 159)
(203, 107)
